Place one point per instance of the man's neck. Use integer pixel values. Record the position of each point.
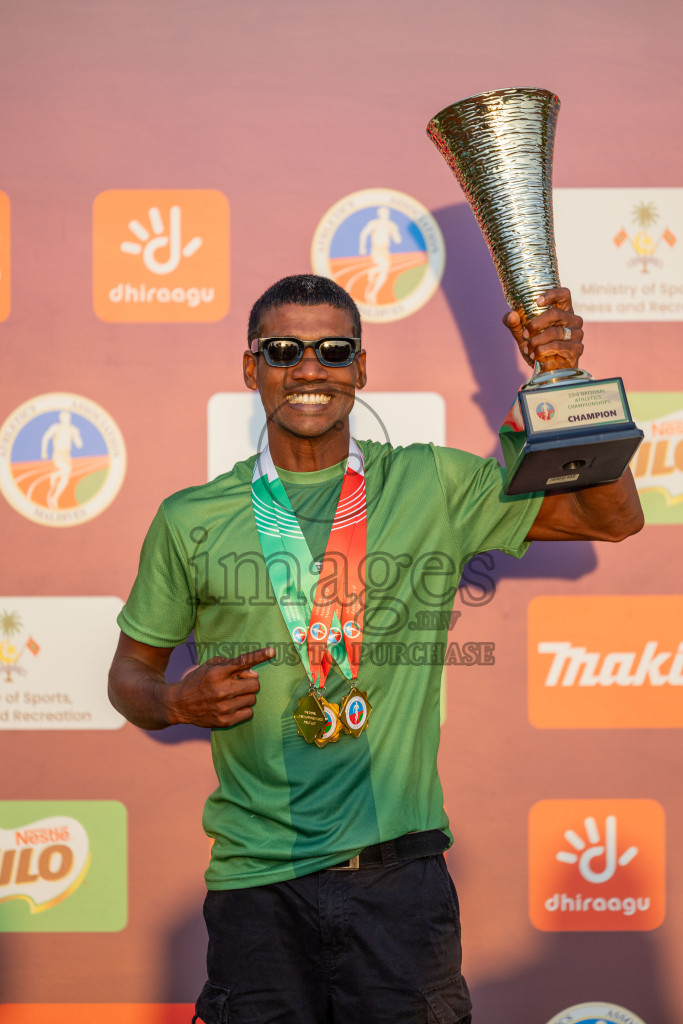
(308, 454)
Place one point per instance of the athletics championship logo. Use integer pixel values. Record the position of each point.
(355, 712)
(596, 1013)
(384, 248)
(545, 411)
(299, 635)
(330, 722)
(335, 636)
(62, 459)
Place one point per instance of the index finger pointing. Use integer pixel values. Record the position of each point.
(250, 658)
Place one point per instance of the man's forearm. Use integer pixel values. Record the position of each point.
(608, 512)
(139, 693)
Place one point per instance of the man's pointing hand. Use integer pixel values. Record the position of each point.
(219, 693)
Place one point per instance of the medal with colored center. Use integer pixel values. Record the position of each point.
(309, 717)
(332, 728)
(354, 712)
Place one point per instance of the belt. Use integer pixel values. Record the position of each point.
(407, 847)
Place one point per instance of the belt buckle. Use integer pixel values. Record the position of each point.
(353, 865)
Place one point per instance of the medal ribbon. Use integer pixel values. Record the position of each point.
(332, 628)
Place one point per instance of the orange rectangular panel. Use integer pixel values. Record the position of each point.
(597, 865)
(613, 662)
(161, 255)
(102, 1013)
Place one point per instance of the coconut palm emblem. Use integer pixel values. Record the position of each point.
(644, 243)
(10, 655)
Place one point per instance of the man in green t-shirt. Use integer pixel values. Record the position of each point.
(328, 895)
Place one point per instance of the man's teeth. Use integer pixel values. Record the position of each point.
(309, 399)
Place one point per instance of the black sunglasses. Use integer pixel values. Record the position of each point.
(290, 351)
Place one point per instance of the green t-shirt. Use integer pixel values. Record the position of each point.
(284, 808)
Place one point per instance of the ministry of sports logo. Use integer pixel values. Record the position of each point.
(14, 644)
(384, 248)
(62, 459)
(596, 1013)
(646, 237)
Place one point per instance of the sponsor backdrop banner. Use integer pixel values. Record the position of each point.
(162, 165)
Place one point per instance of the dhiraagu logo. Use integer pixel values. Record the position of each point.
(597, 865)
(63, 866)
(161, 255)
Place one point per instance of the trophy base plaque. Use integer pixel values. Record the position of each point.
(567, 436)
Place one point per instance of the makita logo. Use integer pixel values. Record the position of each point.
(577, 666)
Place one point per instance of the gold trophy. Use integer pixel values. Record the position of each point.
(565, 429)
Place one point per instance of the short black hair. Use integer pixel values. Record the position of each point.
(303, 290)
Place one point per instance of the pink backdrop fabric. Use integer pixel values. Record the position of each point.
(286, 109)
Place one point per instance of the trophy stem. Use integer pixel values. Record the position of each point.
(555, 378)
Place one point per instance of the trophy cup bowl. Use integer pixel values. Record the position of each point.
(565, 429)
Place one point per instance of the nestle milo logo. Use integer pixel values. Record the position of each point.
(48, 849)
(43, 861)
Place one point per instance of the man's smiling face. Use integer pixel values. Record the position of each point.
(308, 400)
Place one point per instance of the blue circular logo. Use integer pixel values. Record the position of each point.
(545, 411)
(384, 248)
(356, 712)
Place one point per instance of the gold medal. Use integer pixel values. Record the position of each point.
(332, 728)
(309, 717)
(354, 712)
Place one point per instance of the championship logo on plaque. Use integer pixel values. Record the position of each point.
(62, 459)
(596, 1013)
(384, 248)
